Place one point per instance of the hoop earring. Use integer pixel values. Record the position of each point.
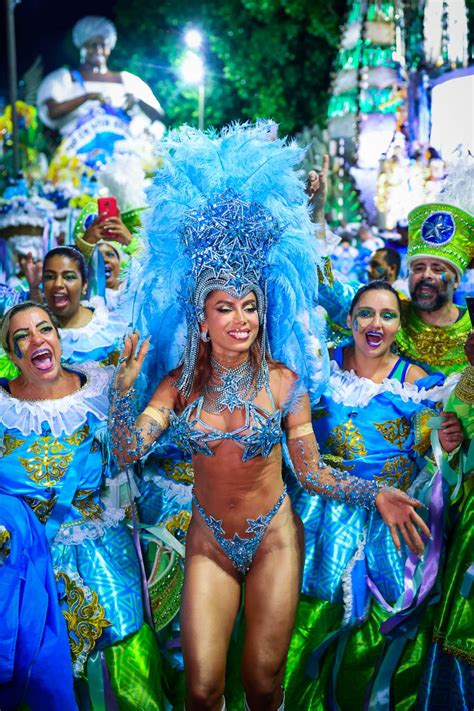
(205, 337)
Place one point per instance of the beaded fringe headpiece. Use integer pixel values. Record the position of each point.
(228, 212)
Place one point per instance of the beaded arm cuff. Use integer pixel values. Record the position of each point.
(131, 437)
(317, 478)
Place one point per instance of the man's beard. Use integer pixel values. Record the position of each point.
(425, 302)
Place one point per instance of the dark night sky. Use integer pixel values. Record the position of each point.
(43, 27)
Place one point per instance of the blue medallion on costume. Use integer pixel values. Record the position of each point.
(438, 228)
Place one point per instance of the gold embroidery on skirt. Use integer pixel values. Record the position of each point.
(179, 523)
(84, 615)
(178, 471)
(41, 507)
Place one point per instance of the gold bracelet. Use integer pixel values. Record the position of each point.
(85, 247)
(156, 415)
(299, 431)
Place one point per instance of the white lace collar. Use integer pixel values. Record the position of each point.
(63, 415)
(104, 330)
(347, 388)
(99, 320)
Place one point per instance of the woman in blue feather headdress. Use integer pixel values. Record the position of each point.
(227, 285)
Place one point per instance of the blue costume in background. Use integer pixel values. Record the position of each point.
(33, 634)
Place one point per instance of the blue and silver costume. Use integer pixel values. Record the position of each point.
(237, 222)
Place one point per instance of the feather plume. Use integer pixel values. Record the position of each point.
(248, 160)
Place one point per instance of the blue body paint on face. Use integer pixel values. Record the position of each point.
(356, 324)
(16, 349)
(444, 278)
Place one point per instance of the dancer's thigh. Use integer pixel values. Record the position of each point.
(272, 590)
(210, 602)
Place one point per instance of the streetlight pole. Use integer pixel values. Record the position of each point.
(12, 78)
(201, 104)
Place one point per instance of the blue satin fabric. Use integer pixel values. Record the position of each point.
(33, 635)
(165, 485)
(109, 566)
(84, 462)
(333, 531)
(105, 561)
(448, 683)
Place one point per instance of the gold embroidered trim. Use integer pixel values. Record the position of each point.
(51, 462)
(78, 437)
(464, 390)
(5, 539)
(41, 507)
(10, 443)
(84, 615)
(422, 431)
(345, 441)
(394, 431)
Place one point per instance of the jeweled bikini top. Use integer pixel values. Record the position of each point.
(258, 434)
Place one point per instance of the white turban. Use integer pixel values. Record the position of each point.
(94, 26)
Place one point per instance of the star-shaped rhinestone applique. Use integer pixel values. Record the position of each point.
(185, 434)
(438, 228)
(266, 432)
(256, 526)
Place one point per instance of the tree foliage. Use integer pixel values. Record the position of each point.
(264, 58)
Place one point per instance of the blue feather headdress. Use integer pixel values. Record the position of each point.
(228, 211)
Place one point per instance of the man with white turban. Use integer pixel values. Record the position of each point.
(65, 95)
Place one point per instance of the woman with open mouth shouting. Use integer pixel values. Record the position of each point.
(88, 330)
(374, 422)
(54, 457)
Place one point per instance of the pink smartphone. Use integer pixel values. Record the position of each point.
(107, 207)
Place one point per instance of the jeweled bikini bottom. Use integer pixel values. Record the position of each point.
(240, 551)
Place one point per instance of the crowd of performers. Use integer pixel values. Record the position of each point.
(230, 476)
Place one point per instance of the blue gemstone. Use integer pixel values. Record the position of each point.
(438, 228)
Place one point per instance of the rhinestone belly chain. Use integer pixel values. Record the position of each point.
(234, 387)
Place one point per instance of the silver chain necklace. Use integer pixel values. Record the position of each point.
(234, 388)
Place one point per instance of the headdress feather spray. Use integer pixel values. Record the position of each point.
(228, 211)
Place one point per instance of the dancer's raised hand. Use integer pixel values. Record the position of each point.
(131, 361)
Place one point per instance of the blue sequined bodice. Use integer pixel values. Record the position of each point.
(259, 433)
